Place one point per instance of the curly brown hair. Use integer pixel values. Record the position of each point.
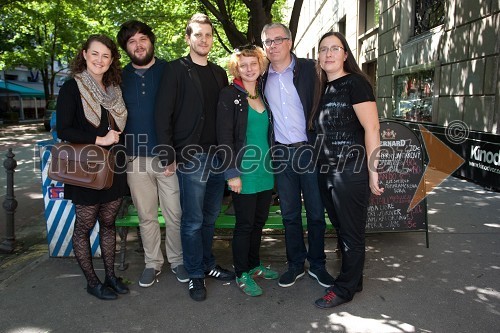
(112, 77)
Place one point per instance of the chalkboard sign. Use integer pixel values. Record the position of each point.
(400, 171)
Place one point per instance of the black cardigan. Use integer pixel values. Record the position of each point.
(232, 120)
(72, 126)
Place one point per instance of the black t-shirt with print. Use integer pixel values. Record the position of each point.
(343, 146)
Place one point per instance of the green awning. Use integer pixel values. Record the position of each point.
(19, 90)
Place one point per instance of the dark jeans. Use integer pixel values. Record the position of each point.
(201, 194)
(251, 212)
(298, 176)
(346, 201)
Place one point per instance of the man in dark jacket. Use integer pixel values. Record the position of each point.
(186, 107)
(288, 86)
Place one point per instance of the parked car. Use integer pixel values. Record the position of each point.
(51, 108)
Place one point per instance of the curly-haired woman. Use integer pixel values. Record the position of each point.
(90, 110)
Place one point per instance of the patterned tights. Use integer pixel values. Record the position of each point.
(86, 218)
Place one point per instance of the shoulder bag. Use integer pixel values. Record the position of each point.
(84, 165)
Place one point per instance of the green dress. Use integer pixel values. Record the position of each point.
(256, 175)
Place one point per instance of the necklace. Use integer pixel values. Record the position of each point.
(253, 96)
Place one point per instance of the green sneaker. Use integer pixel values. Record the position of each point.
(248, 285)
(263, 272)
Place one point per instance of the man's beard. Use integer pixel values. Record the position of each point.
(143, 61)
(201, 54)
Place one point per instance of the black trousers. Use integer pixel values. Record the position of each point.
(346, 201)
(251, 212)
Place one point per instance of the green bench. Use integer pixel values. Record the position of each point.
(129, 218)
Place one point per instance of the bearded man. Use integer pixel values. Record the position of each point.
(148, 185)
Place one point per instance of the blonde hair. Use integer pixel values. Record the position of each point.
(247, 51)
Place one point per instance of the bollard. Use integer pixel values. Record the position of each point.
(9, 204)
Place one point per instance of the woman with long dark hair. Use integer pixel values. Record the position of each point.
(345, 115)
(90, 110)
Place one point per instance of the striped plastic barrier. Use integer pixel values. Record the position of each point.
(60, 213)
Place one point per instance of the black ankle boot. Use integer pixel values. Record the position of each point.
(102, 292)
(116, 284)
(359, 287)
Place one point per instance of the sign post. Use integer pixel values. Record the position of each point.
(400, 168)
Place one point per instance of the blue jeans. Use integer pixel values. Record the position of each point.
(298, 175)
(201, 192)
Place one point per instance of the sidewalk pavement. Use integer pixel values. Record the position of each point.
(452, 286)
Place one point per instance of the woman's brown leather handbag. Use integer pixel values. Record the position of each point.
(85, 165)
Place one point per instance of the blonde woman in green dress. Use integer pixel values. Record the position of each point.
(243, 133)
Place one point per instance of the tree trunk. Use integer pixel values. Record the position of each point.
(45, 80)
(294, 18)
(259, 15)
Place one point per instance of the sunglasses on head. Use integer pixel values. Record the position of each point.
(245, 47)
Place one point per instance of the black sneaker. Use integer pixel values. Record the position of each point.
(322, 276)
(330, 300)
(220, 273)
(288, 278)
(197, 289)
(102, 292)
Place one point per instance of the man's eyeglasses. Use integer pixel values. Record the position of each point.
(333, 49)
(276, 41)
(245, 47)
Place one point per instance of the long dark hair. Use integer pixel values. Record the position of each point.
(350, 66)
(112, 77)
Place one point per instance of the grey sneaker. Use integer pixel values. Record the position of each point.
(148, 277)
(181, 274)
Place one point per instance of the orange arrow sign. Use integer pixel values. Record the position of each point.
(443, 161)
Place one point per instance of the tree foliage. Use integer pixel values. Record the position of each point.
(39, 33)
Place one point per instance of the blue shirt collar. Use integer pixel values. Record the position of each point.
(289, 68)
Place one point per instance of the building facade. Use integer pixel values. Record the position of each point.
(22, 96)
(432, 62)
